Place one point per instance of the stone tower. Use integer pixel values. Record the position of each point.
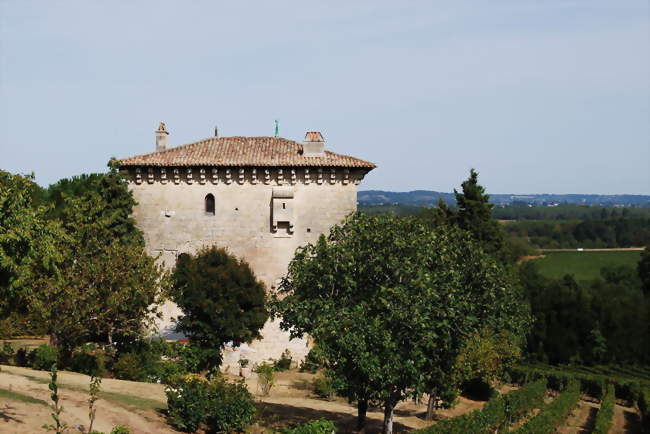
(260, 197)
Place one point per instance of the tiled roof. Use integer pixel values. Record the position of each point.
(242, 151)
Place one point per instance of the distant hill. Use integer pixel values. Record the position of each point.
(428, 198)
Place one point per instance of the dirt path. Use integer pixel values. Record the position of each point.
(626, 420)
(115, 406)
(581, 419)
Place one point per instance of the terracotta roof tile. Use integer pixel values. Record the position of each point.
(242, 151)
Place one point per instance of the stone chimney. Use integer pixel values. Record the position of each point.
(161, 137)
(314, 144)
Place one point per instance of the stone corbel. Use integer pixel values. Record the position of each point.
(228, 176)
(138, 175)
(280, 177)
(346, 176)
(332, 176)
(267, 176)
(215, 175)
(293, 176)
(319, 179)
(163, 175)
(307, 176)
(242, 173)
(201, 176)
(189, 175)
(177, 176)
(253, 176)
(150, 177)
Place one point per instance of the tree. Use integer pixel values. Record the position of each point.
(644, 271)
(27, 239)
(221, 299)
(391, 303)
(105, 287)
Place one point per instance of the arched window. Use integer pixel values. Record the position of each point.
(209, 204)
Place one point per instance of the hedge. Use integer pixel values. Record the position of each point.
(591, 384)
(606, 412)
(554, 413)
(498, 411)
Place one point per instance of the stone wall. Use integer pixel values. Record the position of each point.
(171, 213)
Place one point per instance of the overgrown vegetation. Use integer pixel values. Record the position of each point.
(553, 414)
(605, 412)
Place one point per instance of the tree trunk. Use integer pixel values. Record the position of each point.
(362, 409)
(389, 406)
(431, 405)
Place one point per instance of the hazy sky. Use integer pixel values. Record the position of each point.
(539, 96)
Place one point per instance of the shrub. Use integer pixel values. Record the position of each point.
(265, 377)
(22, 357)
(553, 414)
(193, 400)
(320, 426)
(165, 371)
(43, 357)
(323, 387)
(7, 354)
(520, 402)
(313, 361)
(89, 362)
(127, 367)
(606, 412)
(121, 429)
(284, 362)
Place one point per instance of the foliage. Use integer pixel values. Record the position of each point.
(265, 377)
(43, 357)
(644, 407)
(221, 298)
(523, 400)
(106, 287)
(323, 387)
(59, 427)
(193, 400)
(606, 412)
(121, 429)
(95, 384)
(7, 354)
(643, 269)
(390, 303)
(554, 413)
(127, 367)
(320, 426)
(89, 361)
(27, 241)
(313, 360)
(284, 362)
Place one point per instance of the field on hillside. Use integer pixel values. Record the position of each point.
(584, 265)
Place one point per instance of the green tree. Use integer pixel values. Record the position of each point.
(391, 302)
(644, 270)
(27, 240)
(106, 287)
(221, 299)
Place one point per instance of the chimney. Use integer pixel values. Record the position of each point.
(161, 137)
(314, 144)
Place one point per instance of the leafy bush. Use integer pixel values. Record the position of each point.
(265, 377)
(323, 387)
(89, 362)
(7, 354)
(606, 412)
(121, 429)
(193, 400)
(22, 357)
(520, 402)
(320, 426)
(313, 361)
(498, 411)
(127, 367)
(43, 357)
(165, 371)
(284, 362)
(553, 414)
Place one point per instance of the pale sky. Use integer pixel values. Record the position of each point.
(546, 96)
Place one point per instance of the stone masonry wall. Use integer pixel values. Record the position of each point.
(171, 213)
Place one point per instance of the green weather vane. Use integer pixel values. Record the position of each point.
(277, 128)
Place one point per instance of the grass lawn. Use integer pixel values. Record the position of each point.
(584, 265)
(15, 396)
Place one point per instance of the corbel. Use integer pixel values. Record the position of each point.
(215, 175)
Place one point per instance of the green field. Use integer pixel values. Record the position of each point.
(584, 265)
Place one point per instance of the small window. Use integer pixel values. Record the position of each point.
(209, 204)
(284, 205)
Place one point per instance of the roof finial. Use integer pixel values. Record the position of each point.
(162, 127)
(216, 131)
(277, 128)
